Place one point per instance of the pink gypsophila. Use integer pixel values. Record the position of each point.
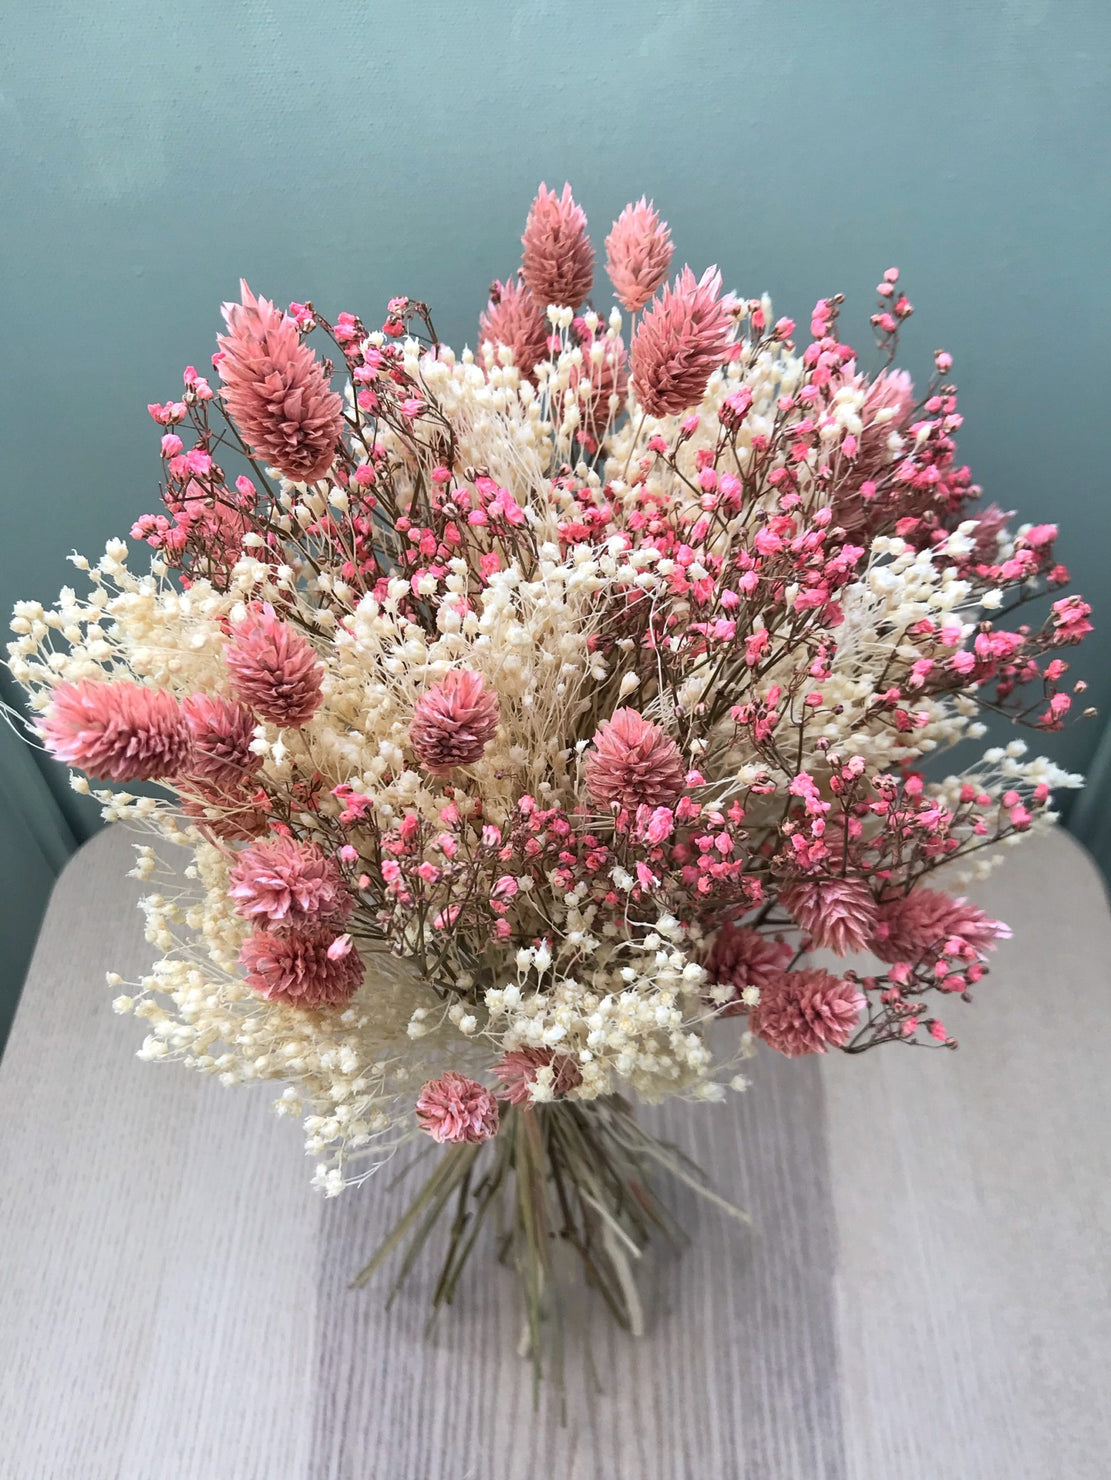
(517, 1070)
(806, 1011)
(679, 343)
(839, 915)
(222, 731)
(456, 1109)
(928, 921)
(454, 721)
(558, 260)
(293, 885)
(304, 970)
(741, 957)
(513, 318)
(274, 668)
(116, 730)
(638, 254)
(277, 391)
(632, 763)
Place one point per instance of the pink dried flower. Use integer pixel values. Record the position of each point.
(679, 343)
(558, 260)
(638, 254)
(300, 969)
(633, 763)
(456, 1109)
(517, 1070)
(222, 731)
(806, 1012)
(513, 318)
(926, 921)
(277, 391)
(234, 814)
(838, 914)
(454, 721)
(116, 730)
(274, 668)
(593, 385)
(741, 957)
(890, 398)
(294, 885)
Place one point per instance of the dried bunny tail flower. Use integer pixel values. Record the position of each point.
(222, 731)
(930, 922)
(274, 668)
(453, 721)
(115, 730)
(513, 318)
(839, 915)
(292, 884)
(456, 1109)
(277, 391)
(679, 343)
(305, 970)
(517, 1071)
(558, 260)
(741, 957)
(632, 763)
(807, 1011)
(638, 254)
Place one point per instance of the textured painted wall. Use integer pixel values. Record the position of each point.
(153, 152)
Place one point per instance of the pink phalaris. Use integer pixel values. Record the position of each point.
(558, 260)
(632, 763)
(454, 721)
(928, 922)
(513, 318)
(456, 1109)
(593, 385)
(305, 969)
(517, 1071)
(274, 668)
(741, 957)
(222, 731)
(291, 885)
(116, 730)
(236, 814)
(277, 391)
(807, 1011)
(638, 254)
(838, 914)
(679, 343)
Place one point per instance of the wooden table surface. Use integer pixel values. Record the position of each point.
(924, 1296)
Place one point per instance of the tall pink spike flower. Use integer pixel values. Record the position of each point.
(277, 391)
(116, 730)
(741, 957)
(838, 914)
(222, 731)
(679, 343)
(558, 260)
(632, 763)
(301, 968)
(274, 668)
(456, 1109)
(638, 254)
(929, 922)
(454, 721)
(291, 885)
(513, 318)
(806, 1012)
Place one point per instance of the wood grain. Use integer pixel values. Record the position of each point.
(924, 1292)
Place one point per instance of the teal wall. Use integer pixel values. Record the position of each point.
(153, 153)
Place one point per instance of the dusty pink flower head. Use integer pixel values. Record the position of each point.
(513, 318)
(679, 343)
(222, 731)
(806, 1012)
(558, 260)
(592, 385)
(638, 254)
(887, 406)
(293, 885)
(274, 668)
(277, 391)
(455, 1109)
(929, 922)
(517, 1070)
(303, 969)
(454, 721)
(117, 731)
(633, 763)
(236, 814)
(838, 914)
(740, 957)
